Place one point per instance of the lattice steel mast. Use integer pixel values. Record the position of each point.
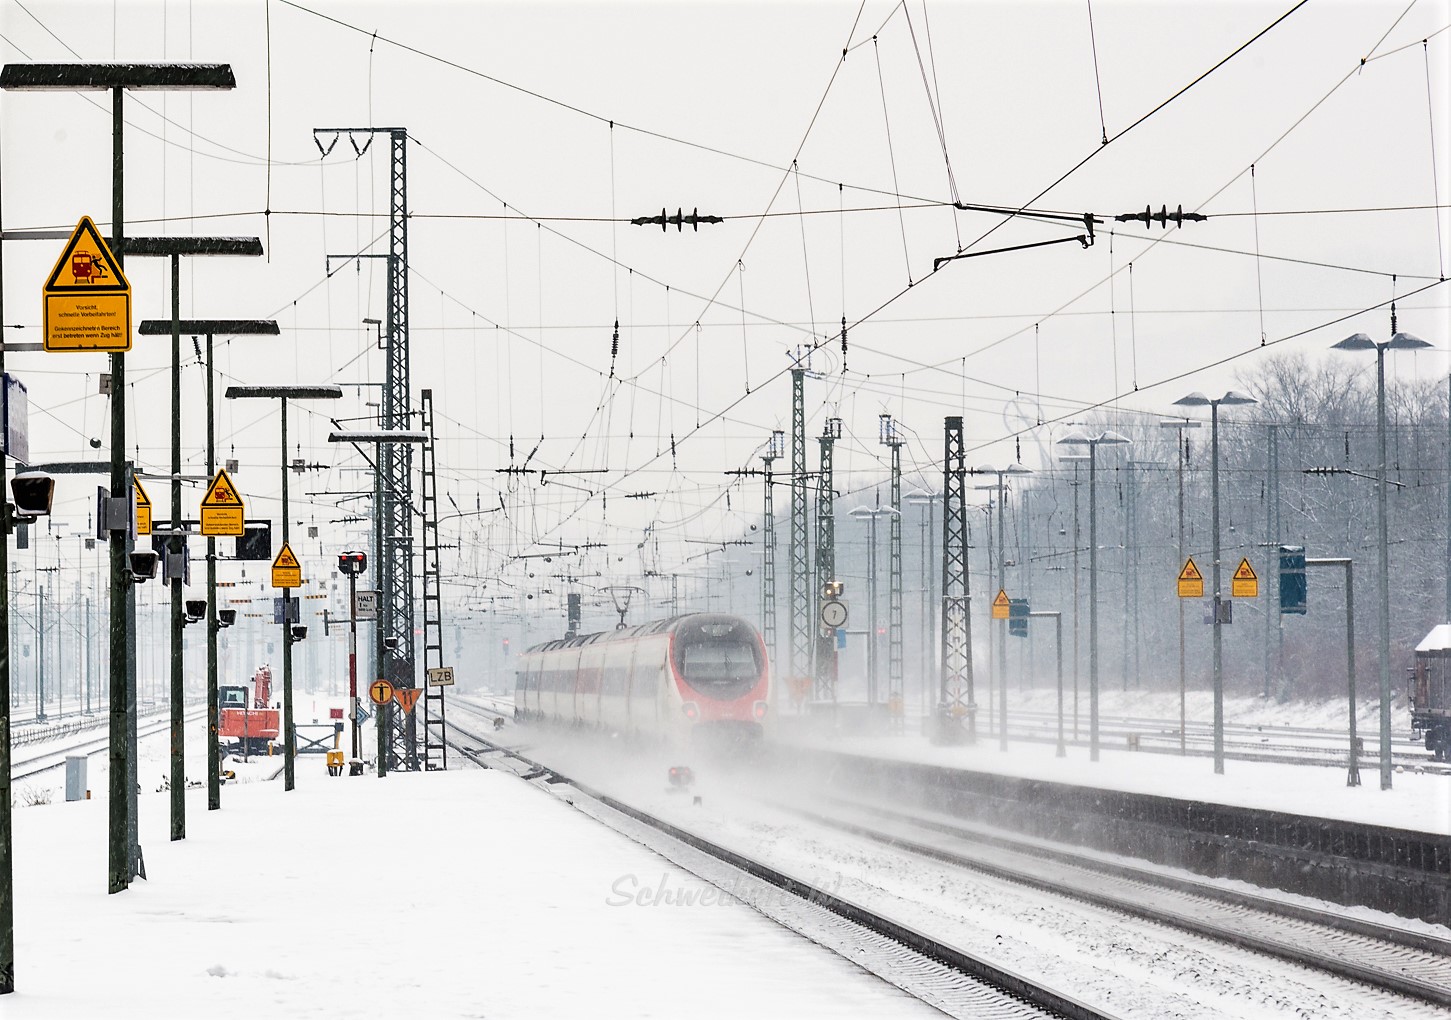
(957, 689)
(825, 689)
(801, 628)
(394, 572)
(435, 729)
(895, 701)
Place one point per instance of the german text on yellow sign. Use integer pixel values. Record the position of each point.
(1246, 583)
(87, 298)
(286, 571)
(1001, 605)
(1191, 581)
(143, 509)
(223, 512)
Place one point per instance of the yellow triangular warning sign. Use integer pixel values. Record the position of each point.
(1245, 572)
(222, 492)
(87, 265)
(143, 500)
(1190, 572)
(285, 559)
(406, 697)
(1002, 599)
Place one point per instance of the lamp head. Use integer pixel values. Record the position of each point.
(1195, 399)
(1236, 397)
(1406, 342)
(1355, 342)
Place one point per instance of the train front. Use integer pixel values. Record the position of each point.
(721, 677)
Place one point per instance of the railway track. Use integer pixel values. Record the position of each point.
(28, 768)
(1407, 962)
(956, 982)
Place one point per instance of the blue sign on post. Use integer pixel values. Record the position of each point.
(1294, 587)
(292, 609)
(1018, 610)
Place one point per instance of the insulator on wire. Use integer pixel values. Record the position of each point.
(614, 348)
(843, 343)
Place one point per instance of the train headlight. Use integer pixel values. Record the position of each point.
(692, 711)
(759, 708)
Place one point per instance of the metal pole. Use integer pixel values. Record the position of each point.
(1218, 645)
(119, 862)
(872, 611)
(353, 662)
(1353, 776)
(1077, 544)
(1093, 601)
(173, 546)
(1002, 627)
(289, 778)
(1385, 573)
(7, 878)
(40, 647)
(380, 717)
(1058, 641)
(1183, 682)
(214, 722)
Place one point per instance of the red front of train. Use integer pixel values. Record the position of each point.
(703, 675)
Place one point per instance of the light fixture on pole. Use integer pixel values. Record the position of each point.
(870, 515)
(929, 666)
(284, 394)
(1397, 342)
(123, 856)
(1000, 486)
(1181, 457)
(1105, 438)
(1231, 398)
(212, 328)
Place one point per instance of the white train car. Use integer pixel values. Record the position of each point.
(699, 676)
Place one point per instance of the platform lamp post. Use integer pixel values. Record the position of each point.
(870, 515)
(1001, 487)
(1181, 457)
(1075, 459)
(116, 79)
(210, 328)
(930, 666)
(1078, 439)
(376, 437)
(284, 394)
(1230, 398)
(1397, 342)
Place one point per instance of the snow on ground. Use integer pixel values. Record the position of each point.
(459, 894)
(1416, 801)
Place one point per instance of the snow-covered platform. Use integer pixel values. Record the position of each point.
(458, 894)
(1420, 803)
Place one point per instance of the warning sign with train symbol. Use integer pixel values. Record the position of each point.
(1246, 583)
(87, 297)
(222, 508)
(1191, 581)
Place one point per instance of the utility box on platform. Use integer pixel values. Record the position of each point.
(75, 777)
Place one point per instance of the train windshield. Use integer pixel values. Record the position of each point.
(719, 656)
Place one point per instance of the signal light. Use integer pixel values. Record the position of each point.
(33, 493)
(143, 566)
(226, 617)
(352, 562)
(760, 709)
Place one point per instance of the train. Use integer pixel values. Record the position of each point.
(246, 721)
(1431, 691)
(695, 678)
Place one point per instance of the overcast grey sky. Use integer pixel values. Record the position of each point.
(835, 175)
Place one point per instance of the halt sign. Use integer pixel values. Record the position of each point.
(1191, 581)
(87, 297)
(1246, 583)
(222, 508)
(286, 571)
(381, 691)
(1002, 605)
